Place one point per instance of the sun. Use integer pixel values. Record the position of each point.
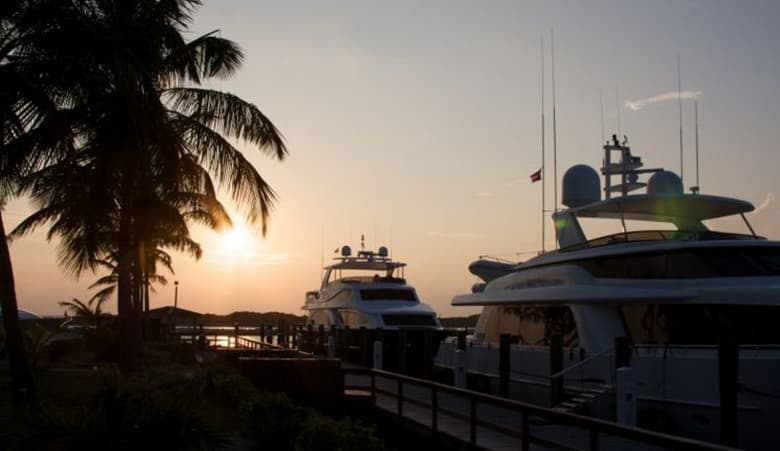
(237, 241)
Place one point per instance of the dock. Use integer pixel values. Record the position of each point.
(485, 422)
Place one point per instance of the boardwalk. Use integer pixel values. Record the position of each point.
(493, 423)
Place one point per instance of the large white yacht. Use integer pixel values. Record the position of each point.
(675, 290)
(367, 290)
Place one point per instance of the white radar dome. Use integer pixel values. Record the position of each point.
(581, 186)
(665, 183)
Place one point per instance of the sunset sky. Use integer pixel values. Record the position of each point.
(418, 125)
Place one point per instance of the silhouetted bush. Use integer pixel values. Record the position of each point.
(320, 433)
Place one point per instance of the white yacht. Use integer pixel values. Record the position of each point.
(674, 291)
(368, 290)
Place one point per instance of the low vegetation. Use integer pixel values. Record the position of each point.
(170, 403)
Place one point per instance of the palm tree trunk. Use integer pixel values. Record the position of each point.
(138, 302)
(124, 293)
(147, 331)
(22, 384)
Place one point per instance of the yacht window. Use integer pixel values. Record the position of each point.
(688, 264)
(384, 294)
(700, 324)
(532, 324)
(409, 320)
(352, 318)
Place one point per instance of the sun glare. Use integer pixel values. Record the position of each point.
(237, 241)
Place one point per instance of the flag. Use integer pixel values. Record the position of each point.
(536, 176)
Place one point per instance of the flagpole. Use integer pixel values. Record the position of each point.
(544, 177)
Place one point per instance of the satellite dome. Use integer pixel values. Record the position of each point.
(581, 186)
(382, 251)
(346, 251)
(665, 183)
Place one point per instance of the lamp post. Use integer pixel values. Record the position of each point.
(175, 295)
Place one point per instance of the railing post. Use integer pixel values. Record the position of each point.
(503, 365)
(427, 354)
(344, 348)
(556, 365)
(434, 411)
(331, 347)
(460, 368)
(625, 395)
(373, 388)
(332, 335)
(364, 346)
(400, 392)
(622, 352)
(235, 336)
(461, 339)
(728, 372)
(309, 339)
(526, 446)
(201, 338)
(594, 439)
(377, 354)
(402, 351)
(473, 422)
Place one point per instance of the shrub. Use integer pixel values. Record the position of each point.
(274, 421)
(321, 433)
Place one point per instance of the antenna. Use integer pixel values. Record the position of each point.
(555, 140)
(544, 177)
(601, 105)
(679, 105)
(696, 120)
(617, 107)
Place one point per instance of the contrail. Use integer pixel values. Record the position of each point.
(768, 200)
(636, 105)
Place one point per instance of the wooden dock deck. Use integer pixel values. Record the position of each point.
(492, 423)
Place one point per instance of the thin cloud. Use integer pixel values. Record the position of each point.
(636, 105)
(486, 194)
(254, 258)
(461, 235)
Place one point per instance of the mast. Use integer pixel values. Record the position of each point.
(696, 120)
(544, 177)
(679, 106)
(555, 139)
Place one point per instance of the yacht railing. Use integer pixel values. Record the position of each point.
(661, 235)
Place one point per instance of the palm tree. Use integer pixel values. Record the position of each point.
(31, 129)
(91, 312)
(143, 118)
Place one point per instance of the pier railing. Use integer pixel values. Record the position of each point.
(405, 391)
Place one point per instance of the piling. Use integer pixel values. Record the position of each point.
(556, 365)
(402, 351)
(503, 365)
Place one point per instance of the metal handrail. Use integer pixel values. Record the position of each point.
(593, 425)
(580, 363)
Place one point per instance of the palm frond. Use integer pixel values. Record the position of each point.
(228, 114)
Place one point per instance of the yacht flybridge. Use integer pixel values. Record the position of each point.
(367, 290)
(674, 290)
